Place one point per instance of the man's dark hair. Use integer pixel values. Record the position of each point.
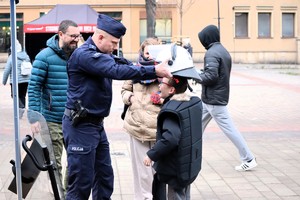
(179, 83)
(65, 24)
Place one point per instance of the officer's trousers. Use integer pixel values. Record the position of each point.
(89, 162)
(221, 115)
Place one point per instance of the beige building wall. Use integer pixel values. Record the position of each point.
(202, 12)
(252, 49)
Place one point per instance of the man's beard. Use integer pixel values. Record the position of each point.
(69, 48)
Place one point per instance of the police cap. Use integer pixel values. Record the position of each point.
(111, 26)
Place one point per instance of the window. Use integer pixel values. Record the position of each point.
(115, 15)
(264, 25)
(288, 22)
(5, 31)
(241, 25)
(163, 28)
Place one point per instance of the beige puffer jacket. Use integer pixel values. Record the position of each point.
(141, 117)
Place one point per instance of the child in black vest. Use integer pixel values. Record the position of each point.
(176, 122)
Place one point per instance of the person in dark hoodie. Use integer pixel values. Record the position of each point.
(48, 84)
(22, 78)
(215, 93)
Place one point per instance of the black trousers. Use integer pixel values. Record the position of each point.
(159, 191)
(22, 87)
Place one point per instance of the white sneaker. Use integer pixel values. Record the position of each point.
(245, 166)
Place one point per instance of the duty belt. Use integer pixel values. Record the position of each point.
(86, 119)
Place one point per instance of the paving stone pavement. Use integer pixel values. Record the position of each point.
(264, 105)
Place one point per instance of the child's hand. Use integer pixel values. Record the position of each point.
(147, 161)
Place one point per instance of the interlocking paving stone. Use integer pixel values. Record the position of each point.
(264, 105)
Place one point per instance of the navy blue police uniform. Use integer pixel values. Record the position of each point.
(90, 74)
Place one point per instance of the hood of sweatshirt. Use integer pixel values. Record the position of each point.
(209, 35)
(23, 56)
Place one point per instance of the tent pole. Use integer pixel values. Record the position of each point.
(24, 42)
(15, 97)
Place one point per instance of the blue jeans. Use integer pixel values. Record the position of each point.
(89, 162)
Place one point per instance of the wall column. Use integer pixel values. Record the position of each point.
(298, 50)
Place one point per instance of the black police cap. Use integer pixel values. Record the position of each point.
(111, 26)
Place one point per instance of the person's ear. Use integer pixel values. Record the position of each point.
(60, 33)
(100, 37)
(172, 90)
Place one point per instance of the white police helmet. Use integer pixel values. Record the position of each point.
(179, 59)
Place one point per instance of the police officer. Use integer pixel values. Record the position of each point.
(91, 69)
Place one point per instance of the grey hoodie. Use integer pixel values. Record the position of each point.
(8, 68)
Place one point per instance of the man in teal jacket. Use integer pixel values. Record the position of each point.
(48, 83)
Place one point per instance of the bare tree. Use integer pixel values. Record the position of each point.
(182, 5)
(151, 12)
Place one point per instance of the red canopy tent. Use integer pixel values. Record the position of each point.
(37, 32)
(83, 15)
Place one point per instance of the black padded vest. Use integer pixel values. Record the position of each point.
(189, 152)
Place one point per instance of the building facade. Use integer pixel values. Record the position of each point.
(257, 31)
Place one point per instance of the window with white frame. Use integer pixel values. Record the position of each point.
(241, 25)
(288, 25)
(163, 28)
(264, 25)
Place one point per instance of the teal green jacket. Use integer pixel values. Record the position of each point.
(48, 82)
